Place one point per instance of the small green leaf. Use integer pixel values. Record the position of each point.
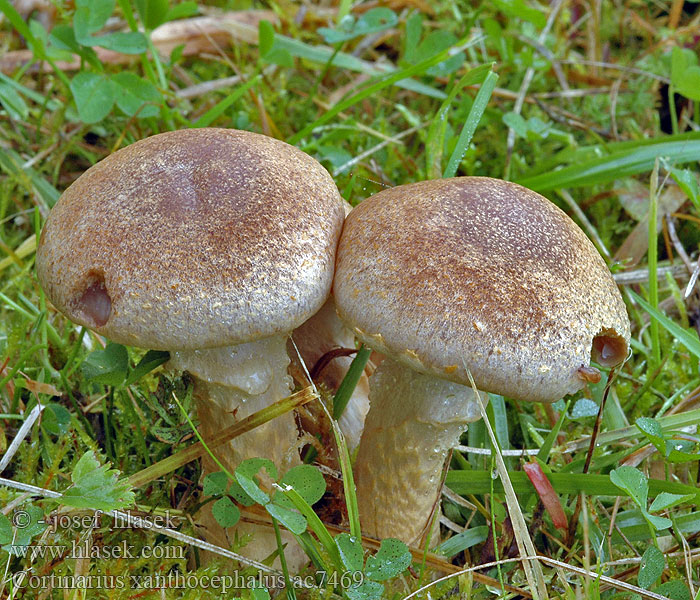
(279, 56)
(245, 475)
(96, 486)
(63, 38)
(367, 590)
(653, 432)
(137, 96)
(675, 590)
(215, 484)
(94, 96)
(374, 20)
(688, 182)
(666, 500)
(307, 481)
(225, 512)
(584, 408)
(182, 11)
(633, 482)
(651, 567)
(108, 366)
(292, 520)
(269, 50)
(259, 593)
(151, 360)
(392, 558)
(516, 123)
(126, 42)
(30, 523)
(266, 37)
(56, 419)
(239, 495)
(152, 12)
(351, 551)
(520, 10)
(90, 16)
(5, 530)
(685, 73)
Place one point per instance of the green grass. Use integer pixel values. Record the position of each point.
(417, 96)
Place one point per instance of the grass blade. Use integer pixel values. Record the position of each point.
(687, 337)
(622, 163)
(475, 114)
(349, 383)
(438, 128)
(416, 69)
(323, 55)
(218, 109)
(479, 482)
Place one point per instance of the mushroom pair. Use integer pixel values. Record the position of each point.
(453, 277)
(213, 244)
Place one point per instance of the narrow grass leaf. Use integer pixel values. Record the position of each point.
(462, 541)
(323, 55)
(13, 103)
(349, 383)
(384, 82)
(218, 109)
(475, 114)
(151, 360)
(436, 134)
(614, 166)
(479, 482)
(28, 178)
(687, 337)
(315, 524)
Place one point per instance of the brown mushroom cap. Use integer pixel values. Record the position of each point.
(194, 238)
(483, 274)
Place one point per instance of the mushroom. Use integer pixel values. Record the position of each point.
(213, 244)
(457, 276)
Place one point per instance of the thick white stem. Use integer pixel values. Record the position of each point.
(232, 383)
(413, 421)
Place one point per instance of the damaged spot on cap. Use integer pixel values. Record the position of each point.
(608, 349)
(95, 303)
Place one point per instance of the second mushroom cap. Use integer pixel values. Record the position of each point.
(480, 274)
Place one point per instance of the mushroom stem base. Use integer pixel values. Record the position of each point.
(232, 383)
(413, 422)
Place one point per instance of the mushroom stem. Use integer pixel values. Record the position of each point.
(413, 422)
(232, 383)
